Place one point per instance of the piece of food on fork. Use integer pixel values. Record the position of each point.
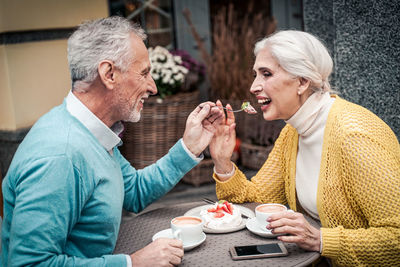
(247, 107)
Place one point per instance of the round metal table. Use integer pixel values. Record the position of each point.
(136, 232)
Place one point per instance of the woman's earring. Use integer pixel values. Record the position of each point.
(298, 92)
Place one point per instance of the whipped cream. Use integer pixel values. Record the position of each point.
(226, 221)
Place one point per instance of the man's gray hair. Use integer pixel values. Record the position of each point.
(98, 40)
(302, 55)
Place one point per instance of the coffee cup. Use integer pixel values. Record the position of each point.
(264, 211)
(189, 229)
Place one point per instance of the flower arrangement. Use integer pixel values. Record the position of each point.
(175, 71)
(167, 71)
(197, 70)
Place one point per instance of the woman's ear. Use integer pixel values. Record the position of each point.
(304, 84)
(107, 73)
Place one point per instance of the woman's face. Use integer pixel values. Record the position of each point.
(276, 90)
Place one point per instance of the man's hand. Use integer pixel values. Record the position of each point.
(299, 229)
(161, 252)
(201, 126)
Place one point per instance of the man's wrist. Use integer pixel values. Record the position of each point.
(190, 153)
(192, 148)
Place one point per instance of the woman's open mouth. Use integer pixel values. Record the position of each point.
(264, 103)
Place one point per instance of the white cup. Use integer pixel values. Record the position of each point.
(264, 211)
(189, 229)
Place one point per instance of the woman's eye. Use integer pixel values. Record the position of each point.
(266, 74)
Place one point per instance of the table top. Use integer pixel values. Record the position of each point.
(137, 232)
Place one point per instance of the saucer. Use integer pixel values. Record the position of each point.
(253, 227)
(168, 234)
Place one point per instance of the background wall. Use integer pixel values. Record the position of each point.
(34, 75)
(364, 38)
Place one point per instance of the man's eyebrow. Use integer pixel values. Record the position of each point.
(146, 70)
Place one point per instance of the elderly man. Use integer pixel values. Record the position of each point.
(68, 182)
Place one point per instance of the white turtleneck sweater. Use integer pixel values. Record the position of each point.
(310, 121)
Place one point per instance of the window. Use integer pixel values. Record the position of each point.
(155, 16)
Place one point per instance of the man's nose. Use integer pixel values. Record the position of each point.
(152, 88)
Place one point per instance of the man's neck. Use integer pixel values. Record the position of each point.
(98, 100)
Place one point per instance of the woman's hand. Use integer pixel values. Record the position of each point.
(299, 229)
(224, 141)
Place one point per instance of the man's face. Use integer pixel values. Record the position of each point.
(135, 85)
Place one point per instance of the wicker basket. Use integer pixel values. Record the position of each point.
(200, 174)
(254, 156)
(160, 127)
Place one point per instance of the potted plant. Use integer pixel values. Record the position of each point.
(229, 69)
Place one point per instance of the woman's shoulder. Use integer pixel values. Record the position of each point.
(352, 118)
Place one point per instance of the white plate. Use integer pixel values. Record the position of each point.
(255, 228)
(196, 212)
(167, 233)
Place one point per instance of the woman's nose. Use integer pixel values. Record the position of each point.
(255, 88)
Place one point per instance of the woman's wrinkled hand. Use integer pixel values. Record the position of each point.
(224, 141)
(299, 229)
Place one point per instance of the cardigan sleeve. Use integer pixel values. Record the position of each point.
(267, 185)
(42, 192)
(371, 177)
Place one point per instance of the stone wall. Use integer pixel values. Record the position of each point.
(364, 39)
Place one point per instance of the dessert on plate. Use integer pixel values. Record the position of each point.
(221, 215)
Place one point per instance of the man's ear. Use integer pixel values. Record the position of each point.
(107, 73)
(303, 85)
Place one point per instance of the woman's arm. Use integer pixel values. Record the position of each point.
(371, 176)
(268, 185)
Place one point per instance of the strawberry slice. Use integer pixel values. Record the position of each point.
(226, 209)
(219, 207)
(219, 214)
(212, 209)
(230, 208)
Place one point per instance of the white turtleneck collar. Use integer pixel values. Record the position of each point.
(310, 121)
(304, 120)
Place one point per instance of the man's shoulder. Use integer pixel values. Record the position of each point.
(55, 133)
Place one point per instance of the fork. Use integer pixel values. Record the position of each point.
(233, 110)
(209, 201)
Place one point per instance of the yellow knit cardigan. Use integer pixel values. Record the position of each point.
(358, 196)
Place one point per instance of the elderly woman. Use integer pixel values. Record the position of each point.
(334, 160)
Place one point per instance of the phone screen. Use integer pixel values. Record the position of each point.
(258, 249)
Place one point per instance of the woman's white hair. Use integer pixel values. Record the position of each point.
(301, 55)
(98, 40)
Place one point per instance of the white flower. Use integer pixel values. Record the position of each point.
(165, 67)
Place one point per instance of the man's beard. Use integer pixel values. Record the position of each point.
(134, 115)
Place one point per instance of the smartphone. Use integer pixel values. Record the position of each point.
(272, 249)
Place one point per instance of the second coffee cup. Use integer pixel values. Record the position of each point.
(189, 229)
(263, 212)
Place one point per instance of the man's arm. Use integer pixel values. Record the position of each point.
(47, 195)
(144, 186)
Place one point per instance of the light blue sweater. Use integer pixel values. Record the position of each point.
(64, 193)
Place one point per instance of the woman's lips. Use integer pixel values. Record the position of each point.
(264, 102)
(264, 107)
